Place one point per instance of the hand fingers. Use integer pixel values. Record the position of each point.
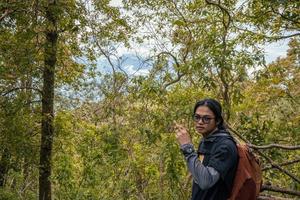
(175, 124)
(178, 135)
(180, 131)
(178, 126)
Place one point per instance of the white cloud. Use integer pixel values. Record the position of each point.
(139, 50)
(115, 3)
(130, 69)
(275, 50)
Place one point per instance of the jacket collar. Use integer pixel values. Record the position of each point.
(206, 142)
(213, 136)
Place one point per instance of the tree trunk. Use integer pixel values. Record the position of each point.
(50, 54)
(4, 166)
(27, 93)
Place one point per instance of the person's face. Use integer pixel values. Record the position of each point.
(205, 121)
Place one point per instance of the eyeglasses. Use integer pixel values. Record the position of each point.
(205, 118)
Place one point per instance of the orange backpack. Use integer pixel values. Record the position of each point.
(248, 177)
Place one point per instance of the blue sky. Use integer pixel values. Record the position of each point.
(134, 66)
(275, 50)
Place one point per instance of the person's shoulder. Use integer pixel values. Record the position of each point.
(224, 136)
(226, 142)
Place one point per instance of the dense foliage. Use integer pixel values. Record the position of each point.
(113, 136)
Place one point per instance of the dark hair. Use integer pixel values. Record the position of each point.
(215, 107)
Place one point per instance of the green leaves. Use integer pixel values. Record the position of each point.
(113, 130)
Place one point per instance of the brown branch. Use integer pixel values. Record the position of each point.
(283, 37)
(279, 168)
(20, 88)
(226, 24)
(6, 13)
(267, 36)
(269, 146)
(170, 54)
(282, 164)
(269, 197)
(283, 16)
(106, 56)
(189, 30)
(223, 9)
(120, 62)
(280, 190)
(179, 75)
(266, 157)
(184, 19)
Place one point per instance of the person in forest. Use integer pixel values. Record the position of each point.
(214, 164)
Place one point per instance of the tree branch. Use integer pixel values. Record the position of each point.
(269, 197)
(283, 37)
(267, 36)
(170, 54)
(282, 164)
(269, 146)
(6, 13)
(21, 88)
(283, 16)
(179, 75)
(223, 9)
(184, 19)
(189, 30)
(279, 168)
(266, 157)
(280, 190)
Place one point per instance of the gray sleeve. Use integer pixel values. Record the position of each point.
(205, 177)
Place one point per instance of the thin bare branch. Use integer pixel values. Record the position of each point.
(269, 146)
(179, 75)
(5, 14)
(21, 88)
(278, 167)
(170, 54)
(283, 164)
(119, 65)
(276, 37)
(184, 19)
(283, 16)
(189, 30)
(270, 197)
(280, 190)
(283, 37)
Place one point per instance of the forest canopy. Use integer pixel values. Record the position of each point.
(90, 90)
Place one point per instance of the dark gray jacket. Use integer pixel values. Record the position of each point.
(213, 177)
